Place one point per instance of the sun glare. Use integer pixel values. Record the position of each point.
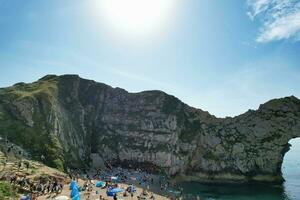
(136, 18)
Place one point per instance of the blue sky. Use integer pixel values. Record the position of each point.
(221, 56)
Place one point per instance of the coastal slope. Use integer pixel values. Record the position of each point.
(74, 122)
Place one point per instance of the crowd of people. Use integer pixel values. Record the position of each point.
(36, 187)
(145, 180)
(111, 178)
(33, 188)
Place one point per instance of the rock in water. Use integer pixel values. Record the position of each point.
(74, 122)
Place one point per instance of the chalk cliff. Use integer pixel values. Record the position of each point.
(76, 122)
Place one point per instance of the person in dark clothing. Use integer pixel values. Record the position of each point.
(27, 165)
(54, 186)
(4, 162)
(115, 196)
(13, 179)
(19, 165)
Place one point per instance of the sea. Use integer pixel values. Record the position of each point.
(289, 190)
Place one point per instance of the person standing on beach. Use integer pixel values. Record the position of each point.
(19, 165)
(4, 163)
(42, 158)
(131, 194)
(152, 196)
(115, 196)
(27, 165)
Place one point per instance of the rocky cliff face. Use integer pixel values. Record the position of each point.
(81, 123)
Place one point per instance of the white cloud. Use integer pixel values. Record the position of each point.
(280, 18)
(257, 7)
(282, 28)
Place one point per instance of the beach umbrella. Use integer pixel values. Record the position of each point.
(99, 184)
(62, 198)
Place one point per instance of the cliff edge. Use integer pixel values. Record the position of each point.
(80, 123)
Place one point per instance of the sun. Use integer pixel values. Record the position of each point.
(135, 18)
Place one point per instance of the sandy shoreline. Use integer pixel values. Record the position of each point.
(139, 179)
(37, 170)
(96, 192)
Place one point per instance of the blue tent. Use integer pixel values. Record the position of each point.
(116, 190)
(77, 197)
(99, 184)
(72, 185)
(112, 192)
(25, 197)
(74, 192)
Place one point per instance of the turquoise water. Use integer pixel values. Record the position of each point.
(289, 190)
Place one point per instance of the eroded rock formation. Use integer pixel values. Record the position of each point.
(81, 123)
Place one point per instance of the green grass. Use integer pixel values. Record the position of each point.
(35, 140)
(7, 191)
(39, 139)
(21, 91)
(44, 178)
(33, 171)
